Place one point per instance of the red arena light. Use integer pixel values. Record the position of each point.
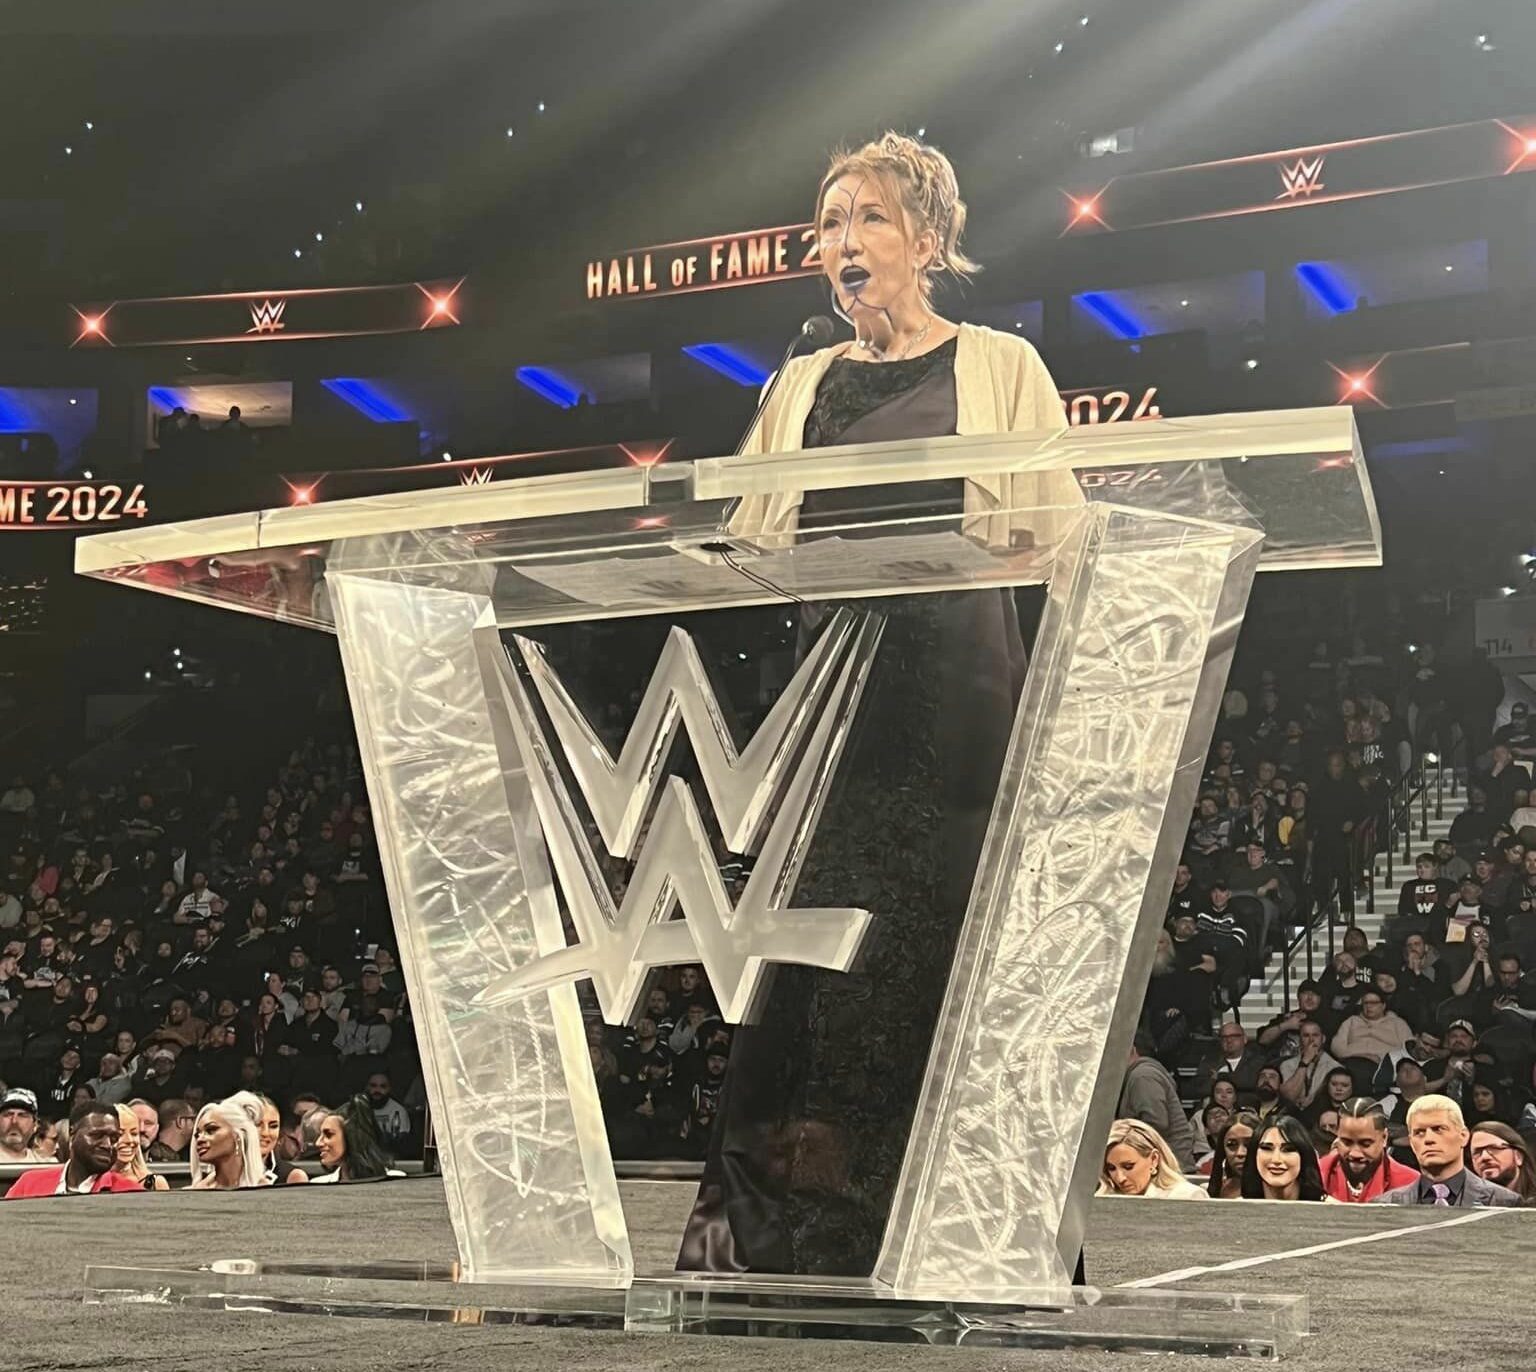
(1360, 385)
(645, 454)
(301, 495)
(92, 326)
(1523, 149)
(1084, 209)
(440, 305)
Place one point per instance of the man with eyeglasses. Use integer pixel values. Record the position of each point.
(1236, 1058)
(1500, 1155)
(175, 1139)
(1373, 1032)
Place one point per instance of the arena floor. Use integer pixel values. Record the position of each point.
(1389, 1288)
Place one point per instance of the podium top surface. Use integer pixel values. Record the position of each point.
(931, 514)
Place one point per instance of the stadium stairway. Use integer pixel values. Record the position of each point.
(1266, 995)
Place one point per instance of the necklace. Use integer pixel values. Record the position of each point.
(912, 342)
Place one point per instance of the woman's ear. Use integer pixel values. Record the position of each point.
(926, 250)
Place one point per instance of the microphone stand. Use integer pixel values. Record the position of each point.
(778, 376)
(816, 329)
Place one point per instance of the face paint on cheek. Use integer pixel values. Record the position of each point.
(839, 241)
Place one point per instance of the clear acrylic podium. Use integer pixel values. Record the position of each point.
(620, 721)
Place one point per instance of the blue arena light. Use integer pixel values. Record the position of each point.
(1451, 445)
(1324, 284)
(548, 386)
(1111, 314)
(14, 418)
(728, 362)
(366, 398)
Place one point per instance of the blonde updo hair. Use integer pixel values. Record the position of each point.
(923, 180)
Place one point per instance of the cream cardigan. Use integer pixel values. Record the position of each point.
(1001, 386)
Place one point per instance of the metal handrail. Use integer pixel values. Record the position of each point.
(1398, 813)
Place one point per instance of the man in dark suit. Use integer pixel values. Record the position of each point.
(1437, 1133)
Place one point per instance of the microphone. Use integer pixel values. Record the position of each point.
(818, 331)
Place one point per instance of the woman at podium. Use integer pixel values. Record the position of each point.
(819, 1100)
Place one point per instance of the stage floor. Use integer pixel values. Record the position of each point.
(1392, 1288)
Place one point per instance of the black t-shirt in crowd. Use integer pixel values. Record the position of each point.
(1185, 902)
(1366, 963)
(1420, 897)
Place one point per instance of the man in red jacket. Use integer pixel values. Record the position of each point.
(1359, 1169)
(93, 1132)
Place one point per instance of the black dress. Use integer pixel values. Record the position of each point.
(820, 1094)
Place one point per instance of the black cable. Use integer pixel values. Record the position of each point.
(761, 581)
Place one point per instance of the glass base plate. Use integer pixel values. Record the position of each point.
(1216, 1324)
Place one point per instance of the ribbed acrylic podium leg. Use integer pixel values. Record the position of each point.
(524, 1152)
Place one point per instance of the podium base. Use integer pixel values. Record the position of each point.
(1214, 1324)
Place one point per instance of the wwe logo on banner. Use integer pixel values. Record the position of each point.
(1305, 178)
(767, 799)
(267, 316)
(475, 476)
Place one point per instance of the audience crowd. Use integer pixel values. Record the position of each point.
(156, 961)
(216, 985)
(158, 957)
(1428, 1031)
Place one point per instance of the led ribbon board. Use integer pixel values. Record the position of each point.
(1355, 169)
(267, 316)
(70, 504)
(750, 258)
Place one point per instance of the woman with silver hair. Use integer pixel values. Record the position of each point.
(226, 1149)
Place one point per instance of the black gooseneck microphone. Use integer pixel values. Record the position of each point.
(818, 331)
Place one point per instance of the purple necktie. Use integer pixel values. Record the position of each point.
(1442, 1193)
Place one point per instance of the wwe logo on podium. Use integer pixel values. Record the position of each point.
(767, 799)
(267, 316)
(1303, 179)
(475, 476)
